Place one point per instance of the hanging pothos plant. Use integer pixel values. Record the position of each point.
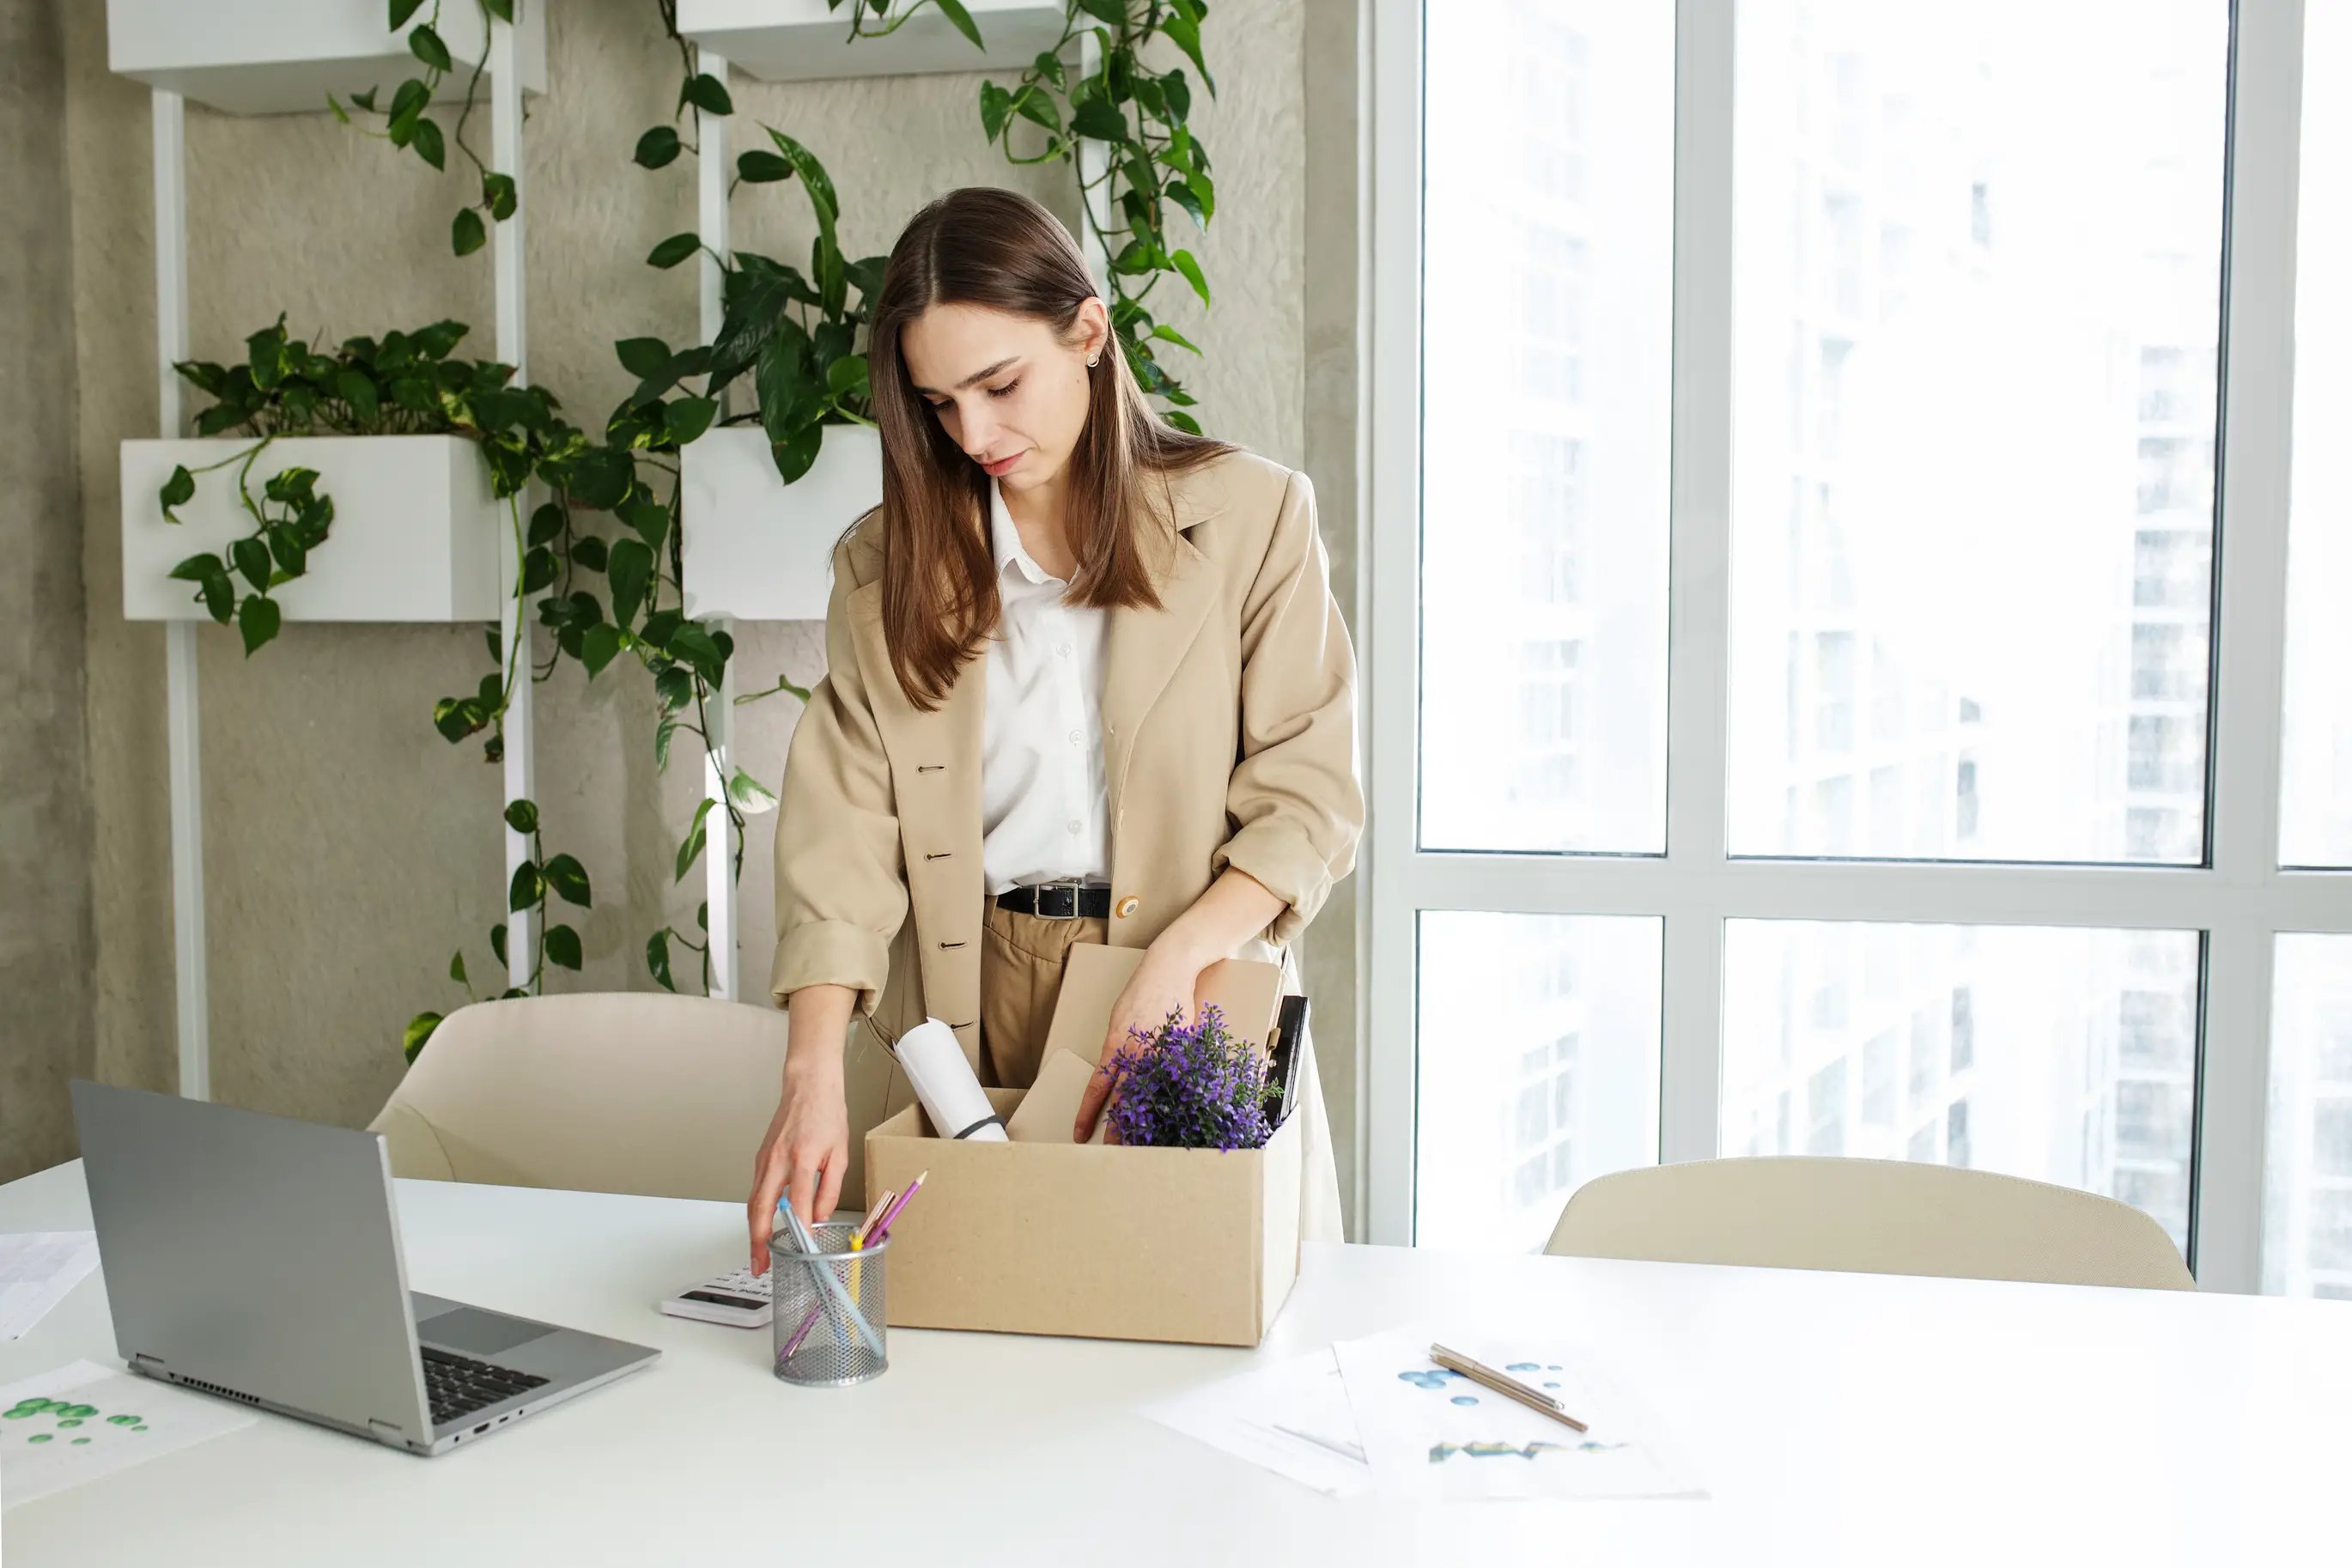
(408, 123)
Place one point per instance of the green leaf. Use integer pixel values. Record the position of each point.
(847, 377)
(568, 879)
(427, 141)
(401, 10)
(688, 417)
(420, 1028)
(651, 521)
(673, 250)
(546, 523)
(220, 596)
(538, 569)
(693, 644)
(522, 816)
(1100, 119)
(1191, 271)
(196, 568)
(659, 628)
(657, 958)
(499, 942)
(502, 9)
(630, 568)
(796, 454)
(692, 850)
(749, 795)
(598, 647)
(257, 620)
(657, 148)
(252, 558)
(288, 550)
(359, 392)
(1111, 11)
(761, 167)
(812, 175)
(467, 235)
(498, 195)
(426, 46)
(588, 553)
(600, 476)
(707, 93)
(674, 686)
(662, 733)
(527, 888)
(564, 947)
(643, 356)
(954, 12)
(408, 101)
(1185, 34)
(178, 490)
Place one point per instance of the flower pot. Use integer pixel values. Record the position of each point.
(415, 534)
(800, 40)
(276, 56)
(761, 550)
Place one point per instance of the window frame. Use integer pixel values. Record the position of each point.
(2240, 898)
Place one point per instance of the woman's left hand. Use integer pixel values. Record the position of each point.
(1166, 982)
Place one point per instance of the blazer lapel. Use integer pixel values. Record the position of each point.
(1143, 647)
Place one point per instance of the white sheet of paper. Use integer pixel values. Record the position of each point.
(1430, 1432)
(1291, 1417)
(83, 1421)
(36, 1268)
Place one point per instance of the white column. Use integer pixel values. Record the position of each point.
(507, 272)
(193, 1010)
(719, 852)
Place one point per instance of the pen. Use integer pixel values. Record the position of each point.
(1503, 1384)
(890, 1215)
(857, 1244)
(876, 1224)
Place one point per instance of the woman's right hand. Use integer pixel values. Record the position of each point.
(805, 1154)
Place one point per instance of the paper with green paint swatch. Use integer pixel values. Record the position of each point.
(82, 1421)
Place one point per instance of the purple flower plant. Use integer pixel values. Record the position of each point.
(1189, 1086)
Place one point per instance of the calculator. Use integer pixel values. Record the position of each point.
(739, 1298)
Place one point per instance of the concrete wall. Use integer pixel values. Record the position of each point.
(46, 940)
(348, 848)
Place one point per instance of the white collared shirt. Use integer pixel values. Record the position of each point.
(1044, 797)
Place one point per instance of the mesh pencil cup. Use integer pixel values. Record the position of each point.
(827, 1325)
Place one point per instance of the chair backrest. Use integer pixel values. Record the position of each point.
(613, 1092)
(1870, 1217)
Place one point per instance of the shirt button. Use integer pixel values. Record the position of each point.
(1077, 737)
(1064, 650)
(1074, 825)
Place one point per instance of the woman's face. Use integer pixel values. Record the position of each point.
(1002, 387)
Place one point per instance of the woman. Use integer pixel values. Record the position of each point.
(1087, 683)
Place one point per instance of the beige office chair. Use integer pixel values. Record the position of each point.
(613, 1092)
(1870, 1217)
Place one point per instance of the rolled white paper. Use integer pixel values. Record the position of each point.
(951, 1095)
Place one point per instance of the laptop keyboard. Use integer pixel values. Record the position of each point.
(456, 1386)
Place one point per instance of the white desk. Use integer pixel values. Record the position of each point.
(1836, 1418)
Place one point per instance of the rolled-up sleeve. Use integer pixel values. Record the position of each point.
(1297, 796)
(840, 883)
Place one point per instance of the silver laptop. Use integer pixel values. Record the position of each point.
(256, 1257)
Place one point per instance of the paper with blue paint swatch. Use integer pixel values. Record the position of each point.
(1430, 1432)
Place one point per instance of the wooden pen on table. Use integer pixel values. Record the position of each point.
(1509, 1387)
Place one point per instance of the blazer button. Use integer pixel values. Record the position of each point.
(1128, 905)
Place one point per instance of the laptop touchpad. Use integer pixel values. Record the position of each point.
(483, 1333)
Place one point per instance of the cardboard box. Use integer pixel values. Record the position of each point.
(1100, 1242)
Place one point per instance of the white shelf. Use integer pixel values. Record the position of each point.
(415, 534)
(758, 549)
(280, 57)
(799, 41)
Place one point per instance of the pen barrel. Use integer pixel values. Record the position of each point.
(831, 1304)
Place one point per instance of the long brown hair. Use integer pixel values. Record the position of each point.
(984, 246)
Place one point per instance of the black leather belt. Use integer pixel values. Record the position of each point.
(1059, 901)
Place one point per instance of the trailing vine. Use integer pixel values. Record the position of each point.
(408, 124)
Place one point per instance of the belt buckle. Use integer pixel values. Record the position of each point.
(1070, 887)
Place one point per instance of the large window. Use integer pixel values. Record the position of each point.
(1826, 642)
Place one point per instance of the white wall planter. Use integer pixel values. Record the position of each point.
(277, 57)
(799, 41)
(758, 549)
(416, 535)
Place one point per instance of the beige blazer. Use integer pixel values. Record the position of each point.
(1229, 733)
